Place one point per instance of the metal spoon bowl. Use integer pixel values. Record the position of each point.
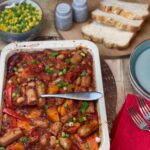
(85, 96)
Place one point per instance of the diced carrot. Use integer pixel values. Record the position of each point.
(62, 110)
(24, 125)
(16, 146)
(52, 89)
(43, 76)
(53, 114)
(25, 73)
(67, 105)
(70, 87)
(74, 128)
(35, 113)
(91, 140)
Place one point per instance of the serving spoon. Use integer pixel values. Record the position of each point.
(14, 4)
(87, 96)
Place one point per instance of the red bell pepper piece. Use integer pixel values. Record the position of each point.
(15, 115)
(71, 76)
(74, 128)
(8, 92)
(14, 122)
(41, 66)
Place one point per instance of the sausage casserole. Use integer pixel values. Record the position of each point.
(33, 123)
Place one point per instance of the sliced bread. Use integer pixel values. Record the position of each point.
(125, 9)
(116, 21)
(110, 36)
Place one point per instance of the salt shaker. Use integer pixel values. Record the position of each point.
(63, 16)
(80, 10)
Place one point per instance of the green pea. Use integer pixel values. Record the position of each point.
(24, 139)
(82, 119)
(14, 94)
(2, 148)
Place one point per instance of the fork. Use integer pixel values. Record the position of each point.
(144, 108)
(137, 119)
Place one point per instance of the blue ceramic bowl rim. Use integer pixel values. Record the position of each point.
(132, 77)
(40, 22)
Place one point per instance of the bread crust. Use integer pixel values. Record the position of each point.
(122, 12)
(114, 23)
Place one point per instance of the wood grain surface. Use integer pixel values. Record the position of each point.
(120, 67)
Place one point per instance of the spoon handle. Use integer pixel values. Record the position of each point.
(87, 96)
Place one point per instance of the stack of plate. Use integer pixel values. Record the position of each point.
(139, 69)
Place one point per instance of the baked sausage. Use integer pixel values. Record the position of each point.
(10, 136)
(88, 128)
(31, 96)
(55, 128)
(40, 87)
(66, 143)
(86, 81)
(76, 59)
(42, 123)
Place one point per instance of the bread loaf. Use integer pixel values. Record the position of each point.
(116, 21)
(110, 36)
(125, 9)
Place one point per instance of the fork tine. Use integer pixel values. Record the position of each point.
(133, 116)
(145, 104)
(135, 121)
(141, 107)
(137, 115)
(144, 107)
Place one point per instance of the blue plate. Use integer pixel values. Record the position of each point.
(140, 68)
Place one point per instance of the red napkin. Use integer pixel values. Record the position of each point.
(125, 134)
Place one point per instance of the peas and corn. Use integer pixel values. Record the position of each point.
(20, 18)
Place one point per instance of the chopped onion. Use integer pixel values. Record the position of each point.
(57, 80)
(70, 124)
(98, 139)
(65, 88)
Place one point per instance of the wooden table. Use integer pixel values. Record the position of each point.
(119, 68)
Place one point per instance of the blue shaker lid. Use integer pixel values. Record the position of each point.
(79, 3)
(63, 9)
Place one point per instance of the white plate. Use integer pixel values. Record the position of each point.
(10, 49)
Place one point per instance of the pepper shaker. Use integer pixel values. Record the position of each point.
(63, 16)
(80, 10)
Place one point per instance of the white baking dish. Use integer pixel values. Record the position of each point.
(59, 45)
